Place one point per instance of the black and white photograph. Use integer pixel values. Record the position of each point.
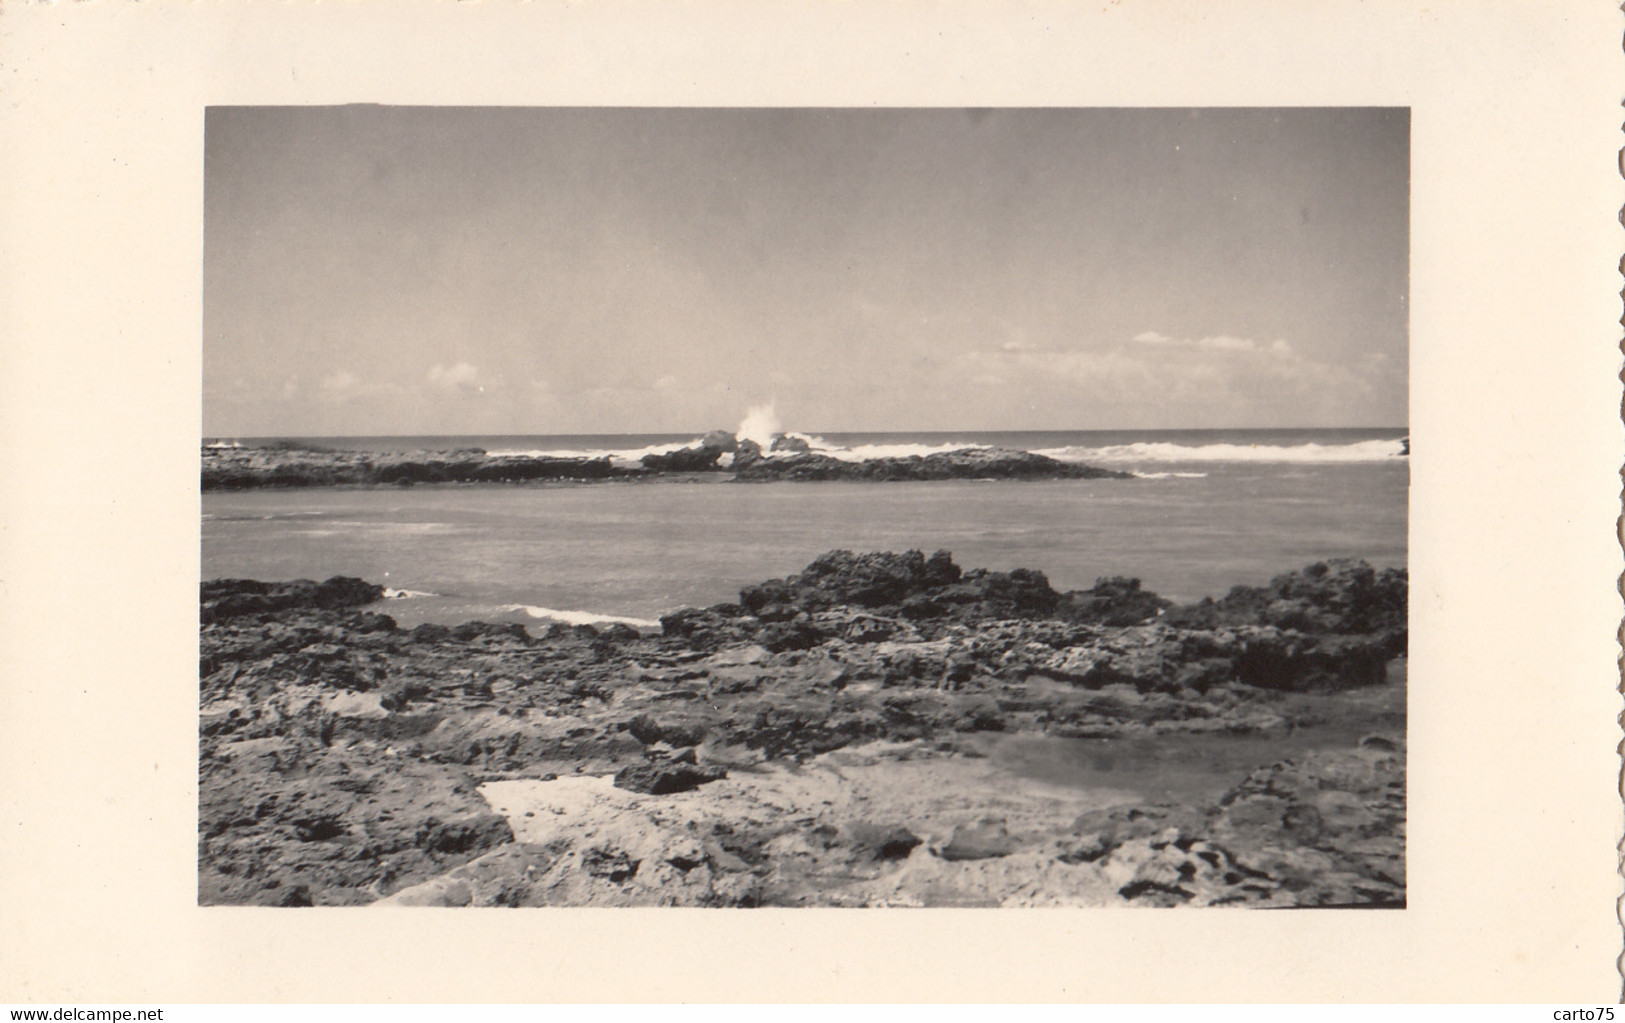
(804, 507)
(530, 503)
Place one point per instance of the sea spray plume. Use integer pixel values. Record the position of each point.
(760, 425)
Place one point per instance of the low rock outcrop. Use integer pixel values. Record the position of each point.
(226, 468)
(227, 598)
(249, 468)
(344, 760)
(970, 463)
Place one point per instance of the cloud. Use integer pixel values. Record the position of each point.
(1214, 343)
(341, 383)
(1106, 368)
(1220, 378)
(341, 387)
(1225, 343)
(463, 377)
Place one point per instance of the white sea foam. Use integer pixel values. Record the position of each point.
(613, 454)
(581, 617)
(1360, 451)
(760, 424)
(762, 427)
(390, 593)
(751, 429)
(1171, 475)
(866, 451)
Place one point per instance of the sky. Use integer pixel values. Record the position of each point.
(375, 270)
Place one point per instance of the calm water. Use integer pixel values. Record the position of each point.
(1217, 510)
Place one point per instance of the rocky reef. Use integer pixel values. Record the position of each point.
(836, 737)
(969, 463)
(719, 452)
(250, 468)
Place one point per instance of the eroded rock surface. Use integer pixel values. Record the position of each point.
(823, 741)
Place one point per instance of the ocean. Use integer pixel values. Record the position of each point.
(1210, 509)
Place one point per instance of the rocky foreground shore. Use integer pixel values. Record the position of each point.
(787, 458)
(824, 741)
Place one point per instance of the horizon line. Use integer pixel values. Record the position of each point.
(818, 432)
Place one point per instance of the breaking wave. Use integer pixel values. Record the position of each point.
(816, 444)
(620, 456)
(581, 617)
(1140, 452)
(862, 452)
(1360, 451)
(761, 423)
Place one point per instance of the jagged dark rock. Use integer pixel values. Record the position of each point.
(864, 580)
(248, 468)
(667, 775)
(308, 466)
(1342, 596)
(341, 758)
(229, 598)
(702, 458)
(970, 463)
(1114, 602)
(787, 442)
